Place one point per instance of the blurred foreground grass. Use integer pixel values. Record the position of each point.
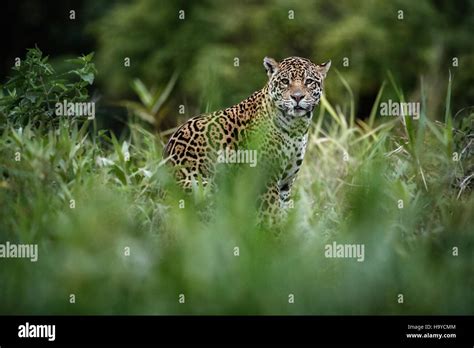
(76, 193)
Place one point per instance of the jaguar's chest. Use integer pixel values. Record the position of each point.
(293, 150)
(280, 143)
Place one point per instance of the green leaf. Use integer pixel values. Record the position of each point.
(142, 92)
(448, 129)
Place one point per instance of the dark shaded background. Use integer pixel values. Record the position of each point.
(202, 47)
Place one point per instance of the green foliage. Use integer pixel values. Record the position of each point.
(151, 102)
(370, 34)
(31, 94)
(402, 188)
(349, 191)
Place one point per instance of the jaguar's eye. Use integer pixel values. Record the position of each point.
(285, 81)
(309, 81)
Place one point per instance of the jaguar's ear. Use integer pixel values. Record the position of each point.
(270, 65)
(324, 68)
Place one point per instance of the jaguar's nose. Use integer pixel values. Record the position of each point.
(297, 96)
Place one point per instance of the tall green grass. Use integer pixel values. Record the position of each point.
(85, 196)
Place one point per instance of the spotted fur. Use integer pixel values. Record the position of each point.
(274, 120)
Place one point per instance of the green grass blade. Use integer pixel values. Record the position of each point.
(375, 107)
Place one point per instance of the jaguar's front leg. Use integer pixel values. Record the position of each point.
(285, 195)
(271, 210)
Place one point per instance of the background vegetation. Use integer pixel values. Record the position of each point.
(86, 191)
(202, 47)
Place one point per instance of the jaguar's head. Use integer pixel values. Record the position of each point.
(295, 84)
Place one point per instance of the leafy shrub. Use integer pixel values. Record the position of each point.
(31, 94)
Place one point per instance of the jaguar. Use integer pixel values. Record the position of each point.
(274, 121)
